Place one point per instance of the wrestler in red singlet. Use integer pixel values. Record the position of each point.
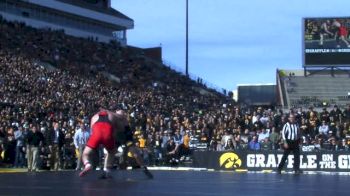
(105, 127)
(343, 31)
(102, 133)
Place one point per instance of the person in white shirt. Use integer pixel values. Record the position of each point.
(81, 136)
(264, 119)
(254, 118)
(263, 135)
(323, 129)
(225, 138)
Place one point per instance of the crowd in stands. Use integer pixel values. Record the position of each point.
(42, 110)
(261, 130)
(34, 96)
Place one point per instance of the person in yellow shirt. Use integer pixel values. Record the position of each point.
(142, 142)
(186, 140)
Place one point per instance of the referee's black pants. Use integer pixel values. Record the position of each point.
(292, 146)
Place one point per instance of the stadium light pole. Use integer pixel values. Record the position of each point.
(187, 38)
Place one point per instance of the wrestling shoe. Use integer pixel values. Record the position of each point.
(298, 171)
(147, 173)
(279, 171)
(86, 169)
(105, 175)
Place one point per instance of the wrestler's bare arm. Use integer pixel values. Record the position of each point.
(93, 120)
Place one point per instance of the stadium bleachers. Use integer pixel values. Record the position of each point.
(317, 90)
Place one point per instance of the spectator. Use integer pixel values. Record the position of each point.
(310, 113)
(304, 128)
(165, 139)
(245, 137)
(333, 144)
(239, 142)
(346, 114)
(10, 147)
(203, 138)
(157, 149)
(318, 143)
(185, 147)
(182, 149)
(274, 138)
(178, 139)
(57, 141)
(229, 145)
(343, 146)
(20, 153)
(171, 157)
(35, 141)
(324, 115)
(254, 144)
(225, 139)
(81, 137)
(143, 143)
(264, 119)
(313, 121)
(254, 118)
(258, 124)
(2, 140)
(323, 129)
(335, 115)
(300, 115)
(186, 140)
(266, 144)
(263, 135)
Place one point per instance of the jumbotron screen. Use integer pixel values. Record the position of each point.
(326, 41)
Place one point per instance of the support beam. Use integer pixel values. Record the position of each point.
(187, 38)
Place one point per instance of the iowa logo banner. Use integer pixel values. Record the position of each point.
(269, 160)
(230, 160)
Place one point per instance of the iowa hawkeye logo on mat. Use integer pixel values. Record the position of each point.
(230, 160)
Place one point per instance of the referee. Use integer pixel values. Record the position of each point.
(291, 136)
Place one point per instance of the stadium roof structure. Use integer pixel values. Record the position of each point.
(258, 84)
(109, 10)
(82, 18)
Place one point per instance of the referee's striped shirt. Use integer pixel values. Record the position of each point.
(290, 132)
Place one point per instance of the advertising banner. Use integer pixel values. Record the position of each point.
(269, 160)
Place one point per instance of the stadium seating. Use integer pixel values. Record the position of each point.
(318, 90)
